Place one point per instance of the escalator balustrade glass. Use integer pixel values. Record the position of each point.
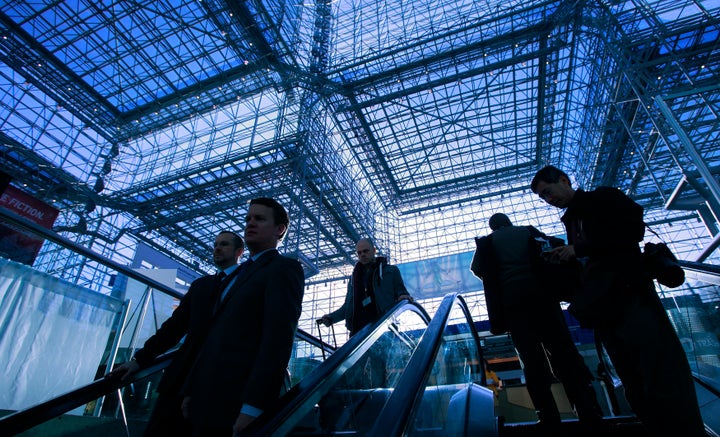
(456, 377)
(346, 396)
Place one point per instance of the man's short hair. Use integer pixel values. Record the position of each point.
(237, 239)
(548, 174)
(499, 220)
(369, 241)
(280, 215)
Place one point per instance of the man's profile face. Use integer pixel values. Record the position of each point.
(558, 194)
(365, 252)
(225, 253)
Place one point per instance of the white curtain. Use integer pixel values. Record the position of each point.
(52, 335)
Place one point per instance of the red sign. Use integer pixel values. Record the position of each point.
(19, 245)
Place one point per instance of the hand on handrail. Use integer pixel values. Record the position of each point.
(124, 370)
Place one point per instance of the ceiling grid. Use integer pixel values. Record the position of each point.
(409, 123)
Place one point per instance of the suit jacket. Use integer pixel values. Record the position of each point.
(499, 296)
(244, 357)
(605, 226)
(189, 318)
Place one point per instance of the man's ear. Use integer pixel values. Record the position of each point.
(281, 231)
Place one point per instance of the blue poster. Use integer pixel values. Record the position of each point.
(439, 276)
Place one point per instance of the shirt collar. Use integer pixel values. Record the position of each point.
(259, 254)
(230, 269)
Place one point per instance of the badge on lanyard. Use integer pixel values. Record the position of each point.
(367, 301)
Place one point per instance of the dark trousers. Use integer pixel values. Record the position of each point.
(543, 341)
(167, 419)
(651, 363)
(213, 432)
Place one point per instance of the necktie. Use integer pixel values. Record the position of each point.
(220, 282)
(227, 282)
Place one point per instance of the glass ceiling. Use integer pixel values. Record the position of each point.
(409, 122)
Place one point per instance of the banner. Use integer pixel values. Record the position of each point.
(436, 277)
(17, 245)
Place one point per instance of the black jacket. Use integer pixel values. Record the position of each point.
(485, 266)
(244, 355)
(190, 318)
(605, 227)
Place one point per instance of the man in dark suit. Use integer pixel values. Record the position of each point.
(518, 301)
(619, 301)
(242, 363)
(189, 318)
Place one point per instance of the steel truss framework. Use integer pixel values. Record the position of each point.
(409, 122)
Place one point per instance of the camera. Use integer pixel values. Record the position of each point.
(661, 264)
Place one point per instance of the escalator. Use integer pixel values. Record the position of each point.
(122, 407)
(346, 393)
(439, 392)
(442, 391)
(314, 364)
(433, 384)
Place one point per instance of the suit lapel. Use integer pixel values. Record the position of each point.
(251, 270)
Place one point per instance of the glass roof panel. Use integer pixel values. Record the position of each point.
(411, 122)
(135, 55)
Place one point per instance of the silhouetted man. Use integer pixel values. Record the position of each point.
(189, 318)
(508, 262)
(242, 363)
(618, 299)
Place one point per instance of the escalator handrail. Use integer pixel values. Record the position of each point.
(23, 223)
(394, 418)
(23, 420)
(710, 269)
(305, 390)
(708, 384)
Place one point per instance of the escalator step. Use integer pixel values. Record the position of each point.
(616, 427)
